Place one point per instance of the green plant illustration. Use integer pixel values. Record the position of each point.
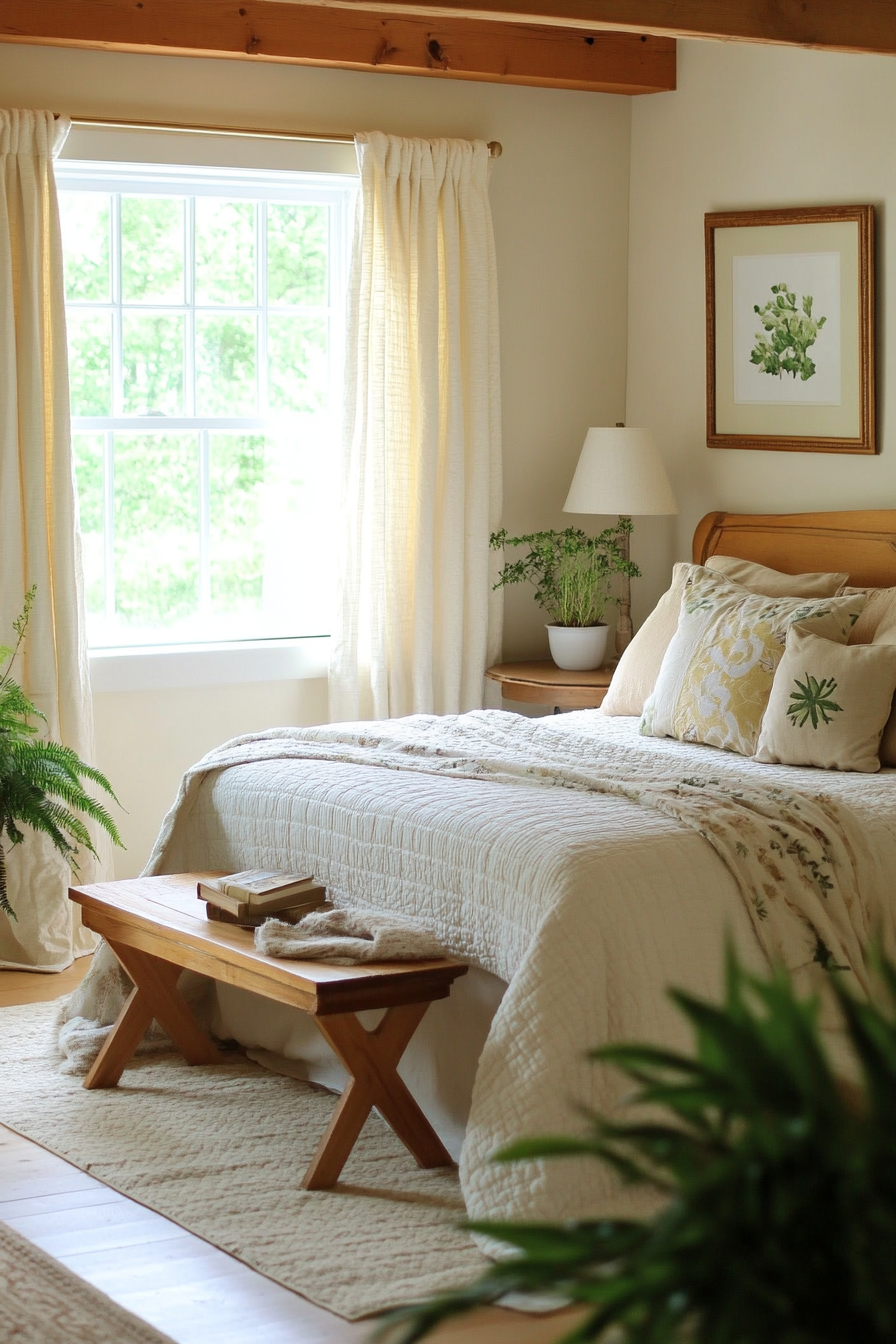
(788, 336)
(779, 1225)
(40, 781)
(812, 700)
(571, 571)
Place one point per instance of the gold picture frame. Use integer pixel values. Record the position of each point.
(790, 329)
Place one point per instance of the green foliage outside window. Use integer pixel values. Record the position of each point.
(158, 530)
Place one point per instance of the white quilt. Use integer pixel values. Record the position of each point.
(521, 844)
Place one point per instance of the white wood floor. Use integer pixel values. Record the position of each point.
(179, 1283)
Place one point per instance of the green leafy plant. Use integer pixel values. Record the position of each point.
(790, 333)
(40, 781)
(572, 572)
(812, 700)
(780, 1225)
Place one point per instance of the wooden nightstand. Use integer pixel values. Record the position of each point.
(542, 682)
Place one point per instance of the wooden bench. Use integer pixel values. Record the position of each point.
(157, 927)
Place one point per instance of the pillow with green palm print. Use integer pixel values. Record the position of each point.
(829, 704)
(717, 673)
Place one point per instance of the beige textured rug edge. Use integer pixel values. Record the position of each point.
(221, 1152)
(43, 1302)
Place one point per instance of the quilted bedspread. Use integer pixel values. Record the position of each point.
(587, 867)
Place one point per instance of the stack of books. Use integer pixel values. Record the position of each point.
(251, 897)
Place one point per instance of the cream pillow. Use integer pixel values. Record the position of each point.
(636, 674)
(829, 704)
(639, 666)
(717, 674)
(877, 625)
(771, 582)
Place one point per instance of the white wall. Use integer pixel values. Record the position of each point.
(560, 201)
(749, 127)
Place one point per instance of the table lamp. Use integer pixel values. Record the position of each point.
(620, 471)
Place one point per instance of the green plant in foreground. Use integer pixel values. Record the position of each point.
(780, 1227)
(40, 781)
(789, 334)
(571, 571)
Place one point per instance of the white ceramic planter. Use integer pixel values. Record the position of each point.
(577, 648)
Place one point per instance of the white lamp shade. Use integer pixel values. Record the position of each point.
(620, 471)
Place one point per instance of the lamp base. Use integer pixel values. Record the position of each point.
(624, 627)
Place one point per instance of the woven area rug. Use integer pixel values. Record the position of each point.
(221, 1151)
(42, 1302)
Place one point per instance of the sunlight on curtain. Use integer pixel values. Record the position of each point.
(417, 622)
(38, 540)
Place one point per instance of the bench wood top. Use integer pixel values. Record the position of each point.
(165, 917)
(157, 926)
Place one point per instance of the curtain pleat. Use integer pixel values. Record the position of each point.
(38, 537)
(417, 622)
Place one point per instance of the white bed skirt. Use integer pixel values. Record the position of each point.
(439, 1065)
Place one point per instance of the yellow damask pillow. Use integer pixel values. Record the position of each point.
(717, 674)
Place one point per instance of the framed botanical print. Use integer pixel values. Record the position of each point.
(790, 329)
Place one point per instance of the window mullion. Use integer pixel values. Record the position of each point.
(190, 296)
(262, 299)
(205, 574)
(117, 370)
(109, 524)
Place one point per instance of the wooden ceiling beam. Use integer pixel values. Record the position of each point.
(834, 25)
(352, 38)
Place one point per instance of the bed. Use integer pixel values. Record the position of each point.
(575, 903)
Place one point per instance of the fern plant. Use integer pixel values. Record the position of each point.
(40, 781)
(780, 1226)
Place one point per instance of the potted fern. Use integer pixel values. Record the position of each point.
(780, 1225)
(572, 573)
(40, 781)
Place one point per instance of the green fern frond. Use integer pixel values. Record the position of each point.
(42, 782)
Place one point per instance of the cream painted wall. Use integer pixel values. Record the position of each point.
(145, 741)
(560, 202)
(749, 127)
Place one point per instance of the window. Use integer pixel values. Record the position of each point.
(205, 320)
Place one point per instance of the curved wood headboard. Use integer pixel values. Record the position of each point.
(862, 542)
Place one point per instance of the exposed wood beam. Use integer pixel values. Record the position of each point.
(836, 25)
(352, 38)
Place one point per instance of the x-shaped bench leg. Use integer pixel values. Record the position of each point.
(371, 1058)
(154, 996)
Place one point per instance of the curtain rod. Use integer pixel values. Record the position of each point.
(495, 148)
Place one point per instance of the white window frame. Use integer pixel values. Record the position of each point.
(163, 665)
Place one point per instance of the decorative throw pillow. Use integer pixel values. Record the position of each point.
(639, 666)
(772, 582)
(717, 674)
(829, 703)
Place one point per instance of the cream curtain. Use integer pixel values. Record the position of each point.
(417, 621)
(38, 539)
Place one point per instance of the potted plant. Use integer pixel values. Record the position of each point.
(40, 781)
(572, 573)
(780, 1220)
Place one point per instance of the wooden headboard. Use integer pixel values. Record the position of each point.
(862, 542)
